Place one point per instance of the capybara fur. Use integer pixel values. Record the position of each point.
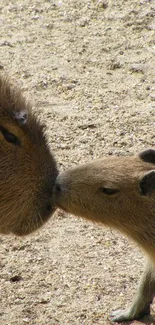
(27, 168)
(118, 192)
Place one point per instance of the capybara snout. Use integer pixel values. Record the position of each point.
(100, 190)
(27, 168)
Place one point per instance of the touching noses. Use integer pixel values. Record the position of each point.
(59, 187)
(47, 194)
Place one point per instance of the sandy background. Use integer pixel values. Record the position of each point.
(89, 69)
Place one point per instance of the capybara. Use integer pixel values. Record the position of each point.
(27, 168)
(118, 192)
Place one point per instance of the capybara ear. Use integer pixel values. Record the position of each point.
(21, 117)
(148, 156)
(147, 183)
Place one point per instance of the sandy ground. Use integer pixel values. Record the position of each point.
(89, 69)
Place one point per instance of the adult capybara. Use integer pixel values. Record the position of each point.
(27, 168)
(118, 192)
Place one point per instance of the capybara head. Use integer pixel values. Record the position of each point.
(116, 191)
(27, 168)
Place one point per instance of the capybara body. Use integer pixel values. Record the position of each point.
(27, 168)
(118, 192)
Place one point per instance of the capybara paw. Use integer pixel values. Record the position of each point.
(121, 316)
(129, 314)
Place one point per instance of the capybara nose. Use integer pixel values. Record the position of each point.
(58, 188)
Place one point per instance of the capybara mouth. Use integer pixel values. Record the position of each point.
(57, 201)
(46, 217)
(60, 206)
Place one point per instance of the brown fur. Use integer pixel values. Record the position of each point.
(118, 192)
(27, 168)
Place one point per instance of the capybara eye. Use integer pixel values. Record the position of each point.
(9, 137)
(109, 191)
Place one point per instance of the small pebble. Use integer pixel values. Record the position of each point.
(16, 278)
(152, 97)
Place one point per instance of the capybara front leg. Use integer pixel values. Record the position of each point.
(143, 298)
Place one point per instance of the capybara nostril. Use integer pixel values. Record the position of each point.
(58, 188)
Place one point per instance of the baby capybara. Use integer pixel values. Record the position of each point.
(27, 167)
(118, 192)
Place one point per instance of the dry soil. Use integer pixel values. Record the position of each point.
(89, 69)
